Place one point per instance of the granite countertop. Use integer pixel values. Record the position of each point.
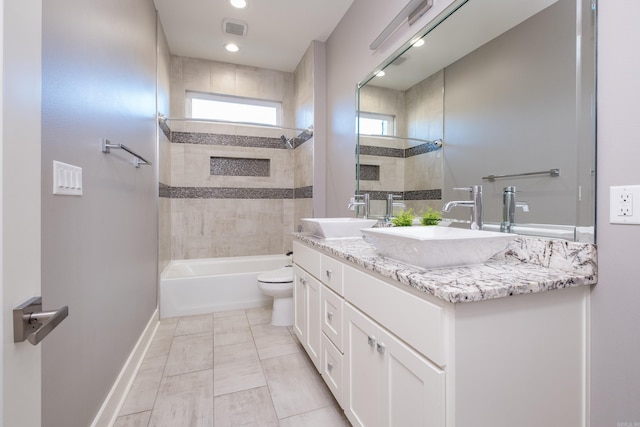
(527, 265)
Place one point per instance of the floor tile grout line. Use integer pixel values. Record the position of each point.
(266, 381)
(164, 368)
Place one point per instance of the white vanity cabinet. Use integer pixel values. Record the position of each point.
(386, 382)
(395, 356)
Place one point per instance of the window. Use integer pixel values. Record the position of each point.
(233, 109)
(376, 124)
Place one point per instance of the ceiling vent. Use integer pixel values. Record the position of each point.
(234, 27)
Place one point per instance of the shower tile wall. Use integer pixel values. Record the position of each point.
(229, 215)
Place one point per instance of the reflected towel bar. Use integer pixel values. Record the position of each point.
(139, 160)
(550, 172)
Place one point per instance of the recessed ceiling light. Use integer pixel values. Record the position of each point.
(380, 73)
(418, 43)
(231, 47)
(240, 4)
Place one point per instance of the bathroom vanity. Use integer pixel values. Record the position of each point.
(500, 344)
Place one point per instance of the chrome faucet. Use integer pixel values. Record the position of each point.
(391, 204)
(365, 203)
(509, 206)
(476, 205)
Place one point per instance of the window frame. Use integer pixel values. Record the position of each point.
(231, 99)
(391, 119)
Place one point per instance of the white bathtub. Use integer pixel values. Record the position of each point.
(207, 285)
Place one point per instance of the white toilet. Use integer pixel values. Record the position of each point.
(279, 285)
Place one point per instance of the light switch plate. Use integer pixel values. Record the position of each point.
(624, 203)
(67, 179)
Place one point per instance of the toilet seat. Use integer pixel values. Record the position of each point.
(282, 275)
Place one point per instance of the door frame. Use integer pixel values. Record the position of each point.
(20, 198)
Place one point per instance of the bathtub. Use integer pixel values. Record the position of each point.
(207, 285)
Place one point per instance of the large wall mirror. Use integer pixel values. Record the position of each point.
(492, 93)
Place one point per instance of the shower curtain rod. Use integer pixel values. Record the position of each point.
(437, 142)
(162, 119)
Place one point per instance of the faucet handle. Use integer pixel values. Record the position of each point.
(472, 189)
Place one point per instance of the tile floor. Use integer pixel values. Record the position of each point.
(230, 368)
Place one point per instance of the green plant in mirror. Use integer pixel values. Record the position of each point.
(431, 217)
(403, 219)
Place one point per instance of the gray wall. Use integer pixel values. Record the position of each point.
(99, 251)
(508, 111)
(615, 316)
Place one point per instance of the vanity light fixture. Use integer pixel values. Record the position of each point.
(231, 47)
(411, 13)
(239, 4)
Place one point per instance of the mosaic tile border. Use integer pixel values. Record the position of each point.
(164, 190)
(235, 193)
(233, 140)
(370, 150)
(435, 194)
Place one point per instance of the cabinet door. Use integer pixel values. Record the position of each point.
(313, 319)
(299, 304)
(413, 389)
(361, 373)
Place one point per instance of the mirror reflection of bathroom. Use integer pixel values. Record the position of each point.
(508, 96)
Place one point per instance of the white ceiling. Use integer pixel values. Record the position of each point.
(279, 31)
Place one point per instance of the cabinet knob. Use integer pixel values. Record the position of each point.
(329, 367)
(329, 315)
(371, 340)
(329, 273)
(304, 282)
(380, 347)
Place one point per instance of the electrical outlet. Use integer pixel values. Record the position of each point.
(623, 204)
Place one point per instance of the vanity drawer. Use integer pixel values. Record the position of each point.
(331, 368)
(331, 310)
(331, 273)
(416, 321)
(307, 258)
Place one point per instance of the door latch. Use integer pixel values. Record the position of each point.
(33, 324)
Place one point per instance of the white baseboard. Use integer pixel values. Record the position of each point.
(110, 409)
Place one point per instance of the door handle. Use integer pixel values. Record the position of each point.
(33, 324)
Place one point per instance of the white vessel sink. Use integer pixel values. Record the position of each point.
(336, 228)
(431, 247)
